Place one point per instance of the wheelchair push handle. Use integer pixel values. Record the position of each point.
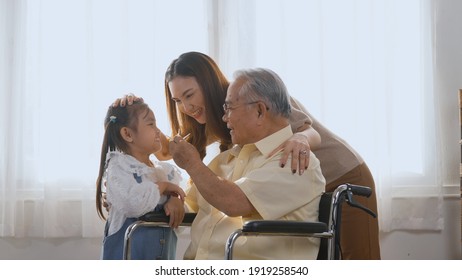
(359, 190)
(350, 190)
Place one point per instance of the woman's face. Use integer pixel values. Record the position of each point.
(188, 96)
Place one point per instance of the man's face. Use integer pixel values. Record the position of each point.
(240, 115)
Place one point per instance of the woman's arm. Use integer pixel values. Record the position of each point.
(312, 136)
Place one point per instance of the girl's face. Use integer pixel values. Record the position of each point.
(147, 136)
(188, 96)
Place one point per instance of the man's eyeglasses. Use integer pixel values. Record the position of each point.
(228, 108)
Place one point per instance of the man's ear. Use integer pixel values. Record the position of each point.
(262, 109)
(126, 134)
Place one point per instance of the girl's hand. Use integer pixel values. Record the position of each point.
(168, 188)
(126, 99)
(298, 147)
(104, 201)
(174, 208)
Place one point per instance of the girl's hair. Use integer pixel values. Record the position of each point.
(214, 85)
(116, 118)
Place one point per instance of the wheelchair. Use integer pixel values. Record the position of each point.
(328, 227)
(151, 219)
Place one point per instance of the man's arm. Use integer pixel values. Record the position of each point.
(221, 194)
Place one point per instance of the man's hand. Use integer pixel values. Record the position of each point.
(183, 153)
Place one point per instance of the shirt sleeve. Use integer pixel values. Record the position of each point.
(275, 192)
(131, 195)
(191, 199)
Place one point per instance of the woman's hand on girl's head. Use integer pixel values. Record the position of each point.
(298, 147)
(126, 99)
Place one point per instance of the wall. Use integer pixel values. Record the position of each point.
(395, 245)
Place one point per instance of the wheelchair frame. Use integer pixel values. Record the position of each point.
(151, 219)
(327, 229)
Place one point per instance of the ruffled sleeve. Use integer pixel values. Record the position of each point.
(171, 173)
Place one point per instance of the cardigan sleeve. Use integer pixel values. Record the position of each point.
(299, 116)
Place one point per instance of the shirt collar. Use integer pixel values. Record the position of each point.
(267, 144)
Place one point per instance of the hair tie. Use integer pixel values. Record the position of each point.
(112, 119)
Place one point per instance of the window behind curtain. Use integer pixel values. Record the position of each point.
(364, 69)
(354, 63)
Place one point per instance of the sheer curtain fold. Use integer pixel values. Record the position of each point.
(12, 68)
(363, 68)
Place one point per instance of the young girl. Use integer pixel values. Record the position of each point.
(135, 184)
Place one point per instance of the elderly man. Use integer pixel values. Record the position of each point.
(243, 183)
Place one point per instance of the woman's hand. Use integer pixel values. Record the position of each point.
(126, 100)
(299, 148)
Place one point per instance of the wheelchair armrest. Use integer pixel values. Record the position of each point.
(162, 218)
(288, 227)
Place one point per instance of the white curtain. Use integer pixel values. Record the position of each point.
(65, 63)
(363, 68)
